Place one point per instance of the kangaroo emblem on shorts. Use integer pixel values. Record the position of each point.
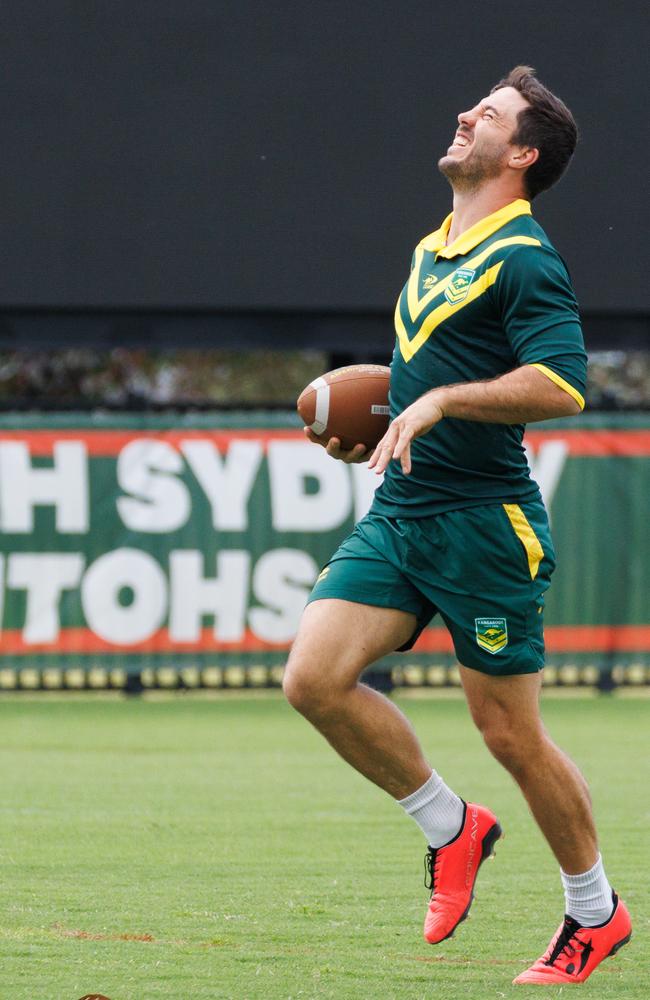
(491, 633)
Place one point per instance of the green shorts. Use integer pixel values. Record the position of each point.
(484, 569)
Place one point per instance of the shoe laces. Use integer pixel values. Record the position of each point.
(431, 866)
(563, 944)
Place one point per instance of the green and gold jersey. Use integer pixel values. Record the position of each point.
(497, 298)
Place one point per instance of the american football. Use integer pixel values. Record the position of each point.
(348, 403)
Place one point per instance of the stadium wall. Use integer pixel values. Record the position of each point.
(180, 550)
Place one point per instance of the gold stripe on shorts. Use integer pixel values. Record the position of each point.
(526, 536)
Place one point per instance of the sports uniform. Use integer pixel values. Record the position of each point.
(466, 533)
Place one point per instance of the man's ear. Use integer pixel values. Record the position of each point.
(523, 158)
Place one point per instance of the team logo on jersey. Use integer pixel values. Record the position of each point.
(458, 287)
(429, 281)
(323, 573)
(491, 633)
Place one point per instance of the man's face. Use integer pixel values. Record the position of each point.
(481, 148)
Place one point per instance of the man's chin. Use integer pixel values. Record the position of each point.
(469, 172)
(449, 166)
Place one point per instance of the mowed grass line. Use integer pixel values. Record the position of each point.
(189, 848)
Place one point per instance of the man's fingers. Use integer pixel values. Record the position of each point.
(334, 450)
(333, 447)
(395, 444)
(403, 441)
(403, 449)
(358, 452)
(384, 454)
(381, 456)
(374, 458)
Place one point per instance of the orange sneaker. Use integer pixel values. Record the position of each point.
(575, 951)
(452, 871)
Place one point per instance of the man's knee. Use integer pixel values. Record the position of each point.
(336, 641)
(503, 745)
(506, 713)
(297, 689)
(512, 744)
(308, 690)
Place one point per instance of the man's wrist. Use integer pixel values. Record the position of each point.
(440, 397)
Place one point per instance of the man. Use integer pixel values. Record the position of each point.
(488, 338)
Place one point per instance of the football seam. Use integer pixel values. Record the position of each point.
(379, 377)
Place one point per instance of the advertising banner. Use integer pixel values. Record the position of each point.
(142, 541)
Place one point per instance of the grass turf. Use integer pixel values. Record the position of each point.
(189, 848)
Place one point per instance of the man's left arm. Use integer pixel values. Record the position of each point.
(518, 397)
(540, 319)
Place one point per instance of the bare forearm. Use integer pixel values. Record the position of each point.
(519, 397)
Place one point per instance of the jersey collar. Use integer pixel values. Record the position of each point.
(480, 231)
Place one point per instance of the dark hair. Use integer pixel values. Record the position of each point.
(546, 125)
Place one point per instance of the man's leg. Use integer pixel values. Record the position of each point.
(506, 711)
(597, 924)
(337, 639)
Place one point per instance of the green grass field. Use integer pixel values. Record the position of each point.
(194, 848)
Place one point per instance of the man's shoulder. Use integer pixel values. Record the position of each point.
(525, 247)
(525, 227)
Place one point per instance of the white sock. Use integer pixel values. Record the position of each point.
(588, 896)
(436, 809)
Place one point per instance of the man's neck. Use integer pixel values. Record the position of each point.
(472, 206)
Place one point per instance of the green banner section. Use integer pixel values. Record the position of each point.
(140, 542)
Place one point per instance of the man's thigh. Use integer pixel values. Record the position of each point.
(361, 608)
(338, 639)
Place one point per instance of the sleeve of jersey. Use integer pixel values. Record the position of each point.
(540, 317)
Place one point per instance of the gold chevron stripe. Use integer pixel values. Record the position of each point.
(441, 313)
(416, 305)
(490, 648)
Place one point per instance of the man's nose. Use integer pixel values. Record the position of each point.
(467, 117)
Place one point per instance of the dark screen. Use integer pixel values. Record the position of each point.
(254, 155)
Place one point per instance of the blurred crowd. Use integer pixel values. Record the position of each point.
(142, 379)
(619, 380)
(83, 378)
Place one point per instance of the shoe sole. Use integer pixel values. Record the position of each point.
(487, 851)
(619, 945)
